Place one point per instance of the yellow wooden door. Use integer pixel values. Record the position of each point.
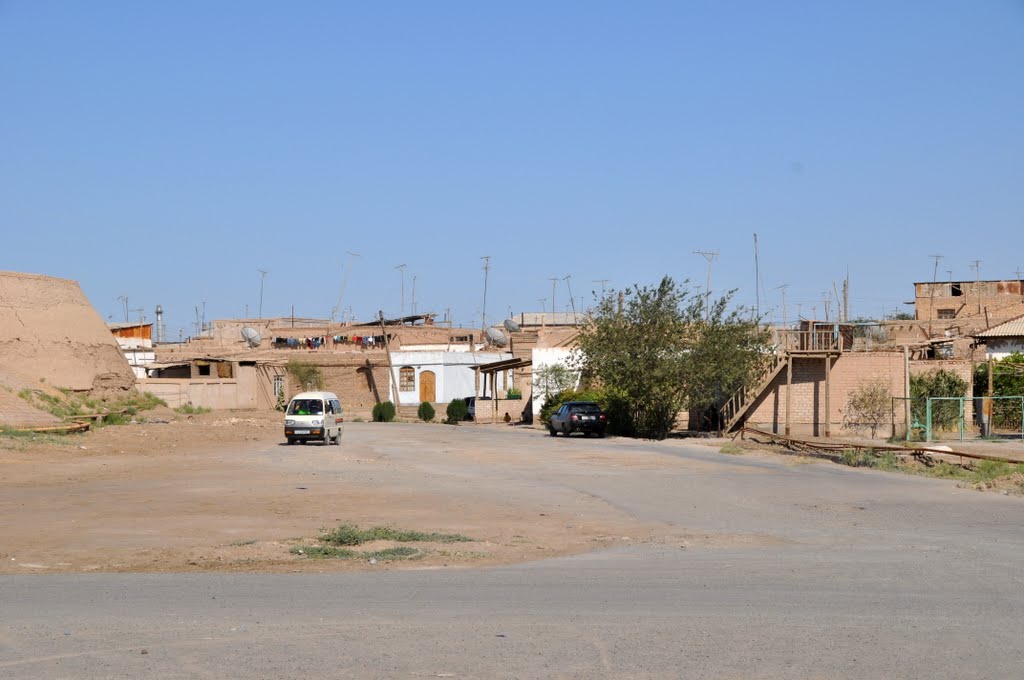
(427, 387)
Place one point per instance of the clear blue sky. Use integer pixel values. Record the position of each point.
(166, 151)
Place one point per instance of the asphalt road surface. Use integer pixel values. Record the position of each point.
(789, 571)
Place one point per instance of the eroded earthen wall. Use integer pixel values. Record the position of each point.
(50, 331)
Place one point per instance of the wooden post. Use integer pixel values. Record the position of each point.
(990, 367)
(828, 396)
(391, 367)
(789, 390)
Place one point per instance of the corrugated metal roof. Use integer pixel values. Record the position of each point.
(1014, 328)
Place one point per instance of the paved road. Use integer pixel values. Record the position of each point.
(820, 572)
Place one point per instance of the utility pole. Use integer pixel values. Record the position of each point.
(401, 309)
(603, 283)
(976, 266)
(783, 288)
(846, 297)
(391, 366)
(263, 275)
(710, 256)
(483, 309)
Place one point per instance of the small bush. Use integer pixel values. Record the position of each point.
(189, 409)
(351, 534)
(383, 412)
(426, 412)
(457, 411)
(514, 393)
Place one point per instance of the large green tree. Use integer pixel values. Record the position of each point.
(657, 350)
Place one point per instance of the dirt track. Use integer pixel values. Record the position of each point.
(218, 492)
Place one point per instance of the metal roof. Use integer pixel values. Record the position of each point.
(1014, 328)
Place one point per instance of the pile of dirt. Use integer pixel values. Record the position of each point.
(1012, 484)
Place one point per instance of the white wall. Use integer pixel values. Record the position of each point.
(454, 372)
(1000, 348)
(547, 356)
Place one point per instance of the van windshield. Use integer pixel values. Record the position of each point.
(306, 407)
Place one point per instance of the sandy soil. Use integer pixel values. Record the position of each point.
(218, 492)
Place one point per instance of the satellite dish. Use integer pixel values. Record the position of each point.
(497, 337)
(511, 326)
(251, 336)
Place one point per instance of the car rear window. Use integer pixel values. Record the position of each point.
(586, 408)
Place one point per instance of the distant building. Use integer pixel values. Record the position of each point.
(1003, 339)
(955, 300)
(136, 341)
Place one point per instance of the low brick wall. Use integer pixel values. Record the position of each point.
(849, 371)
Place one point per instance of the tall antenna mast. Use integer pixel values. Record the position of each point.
(710, 256)
(554, 284)
(572, 302)
(263, 276)
(413, 309)
(757, 279)
(401, 309)
(483, 310)
(603, 283)
(976, 266)
(931, 295)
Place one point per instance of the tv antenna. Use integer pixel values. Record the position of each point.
(124, 301)
(603, 283)
(783, 288)
(344, 281)
(554, 285)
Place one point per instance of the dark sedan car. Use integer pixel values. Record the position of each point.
(578, 416)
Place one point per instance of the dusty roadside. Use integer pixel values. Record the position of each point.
(222, 492)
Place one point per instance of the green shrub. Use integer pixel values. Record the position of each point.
(383, 412)
(305, 375)
(426, 412)
(937, 383)
(457, 411)
(514, 393)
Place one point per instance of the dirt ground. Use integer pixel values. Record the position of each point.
(221, 492)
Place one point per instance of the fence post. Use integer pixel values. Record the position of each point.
(928, 419)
